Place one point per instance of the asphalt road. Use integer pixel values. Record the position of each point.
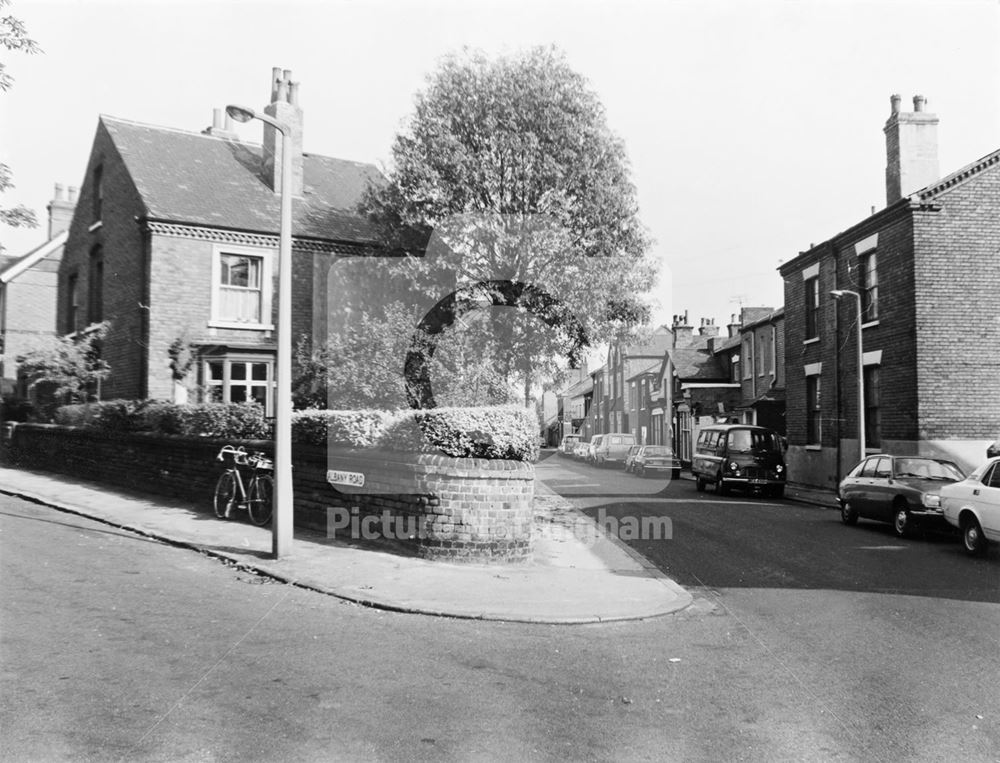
(115, 647)
(741, 541)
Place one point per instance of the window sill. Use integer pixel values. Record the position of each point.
(95, 226)
(811, 341)
(814, 447)
(246, 326)
(870, 324)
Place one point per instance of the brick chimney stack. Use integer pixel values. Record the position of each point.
(683, 332)
(61, 209)
(284, 107)
(911, 149)
(733, 327)
(708, 327)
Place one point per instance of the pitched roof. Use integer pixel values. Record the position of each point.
(959, 176)
(208, 180)
(638, 369)
(12, 267)
(695, 363)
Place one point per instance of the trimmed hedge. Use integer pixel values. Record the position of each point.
(221, 420)
(501, 432)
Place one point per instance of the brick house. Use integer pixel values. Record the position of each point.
(926, 269)
(624, 362)
(175, 241)
(695, 386)
(28, 286)
(639, 404)
(762, 368)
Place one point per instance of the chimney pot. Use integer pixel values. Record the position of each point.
(217, 119)
(60, 192)
(275, 79)
(73, 191)
(293, 93)
(918, 102)
(894, 100)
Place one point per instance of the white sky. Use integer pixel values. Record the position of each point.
(754, 128)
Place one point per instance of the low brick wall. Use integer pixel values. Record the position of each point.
(463, 510)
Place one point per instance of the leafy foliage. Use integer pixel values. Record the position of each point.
(72, 364)
(511, 172)
(238, 421)
(13, 37)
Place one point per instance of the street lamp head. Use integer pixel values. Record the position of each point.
(240, 113)
(837, 293)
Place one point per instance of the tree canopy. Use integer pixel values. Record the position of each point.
(13, 37)
(508, 189)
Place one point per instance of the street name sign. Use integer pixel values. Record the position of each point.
(354, 479)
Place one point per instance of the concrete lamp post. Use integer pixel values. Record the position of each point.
(282, 522)
(838, 294)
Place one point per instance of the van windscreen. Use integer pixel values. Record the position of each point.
(747, 440)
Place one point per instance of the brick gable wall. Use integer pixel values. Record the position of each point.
(121, 238)
(957, 304)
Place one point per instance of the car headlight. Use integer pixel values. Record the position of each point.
(733, 466)
(931, 500)
(779, 468)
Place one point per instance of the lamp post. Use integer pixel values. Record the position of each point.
(837, 294)
(281, 525)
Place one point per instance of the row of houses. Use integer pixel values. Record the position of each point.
(172, 237)
(918, 281)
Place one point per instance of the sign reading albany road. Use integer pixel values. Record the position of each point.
(354, 479)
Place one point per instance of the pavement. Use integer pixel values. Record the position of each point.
(577, 573)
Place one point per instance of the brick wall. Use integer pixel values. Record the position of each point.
(124, 250)
(957, 309)
(466, 510)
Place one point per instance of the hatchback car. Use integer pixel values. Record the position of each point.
(973, 506)
(580, 450)
(656, 459)
(901, 490)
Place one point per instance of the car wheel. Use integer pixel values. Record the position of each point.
(848, 514)
(777, 491)
(699, 484)
(721, 488)
(972, 536)
(675, 474)
(901, 520)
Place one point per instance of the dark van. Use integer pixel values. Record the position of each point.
(739, 455)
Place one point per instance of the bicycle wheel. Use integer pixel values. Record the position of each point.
(261, 499)
(225, 495)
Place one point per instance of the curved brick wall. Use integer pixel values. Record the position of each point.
(455, 509)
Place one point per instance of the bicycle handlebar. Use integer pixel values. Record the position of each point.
(241, 458)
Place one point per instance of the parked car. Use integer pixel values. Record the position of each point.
(613, 448)
(630, 457)
(595, 443)
(901, 490)
(739, 455)
(581, 449)
(656, 459)
(568, 444)
(973, 506)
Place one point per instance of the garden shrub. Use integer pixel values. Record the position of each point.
(495, 432)
(220, 420)
(353, 429)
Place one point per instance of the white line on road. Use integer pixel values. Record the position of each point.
(881, 548)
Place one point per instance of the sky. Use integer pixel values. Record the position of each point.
(754, 128)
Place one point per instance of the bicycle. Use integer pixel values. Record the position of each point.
(256, 497)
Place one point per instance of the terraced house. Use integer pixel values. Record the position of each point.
(175, 242)
(924, 274)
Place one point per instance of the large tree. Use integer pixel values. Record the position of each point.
(523, 195)
(13, 37)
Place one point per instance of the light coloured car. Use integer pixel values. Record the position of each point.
(581, 449)
(901, 490)
(630, 457)
(973, 506)
(595, 443)
(569, 443)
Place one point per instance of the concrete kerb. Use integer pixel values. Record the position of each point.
(680, 598)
